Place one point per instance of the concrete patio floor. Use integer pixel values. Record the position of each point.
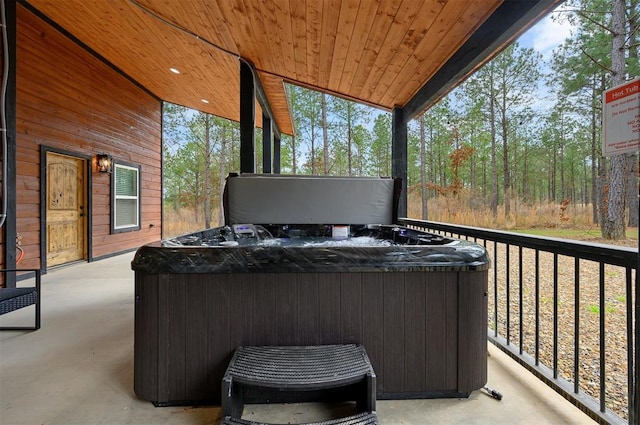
(78, 369)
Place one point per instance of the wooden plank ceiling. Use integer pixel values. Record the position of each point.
(376, 52)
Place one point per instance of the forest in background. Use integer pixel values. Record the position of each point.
(489, 149)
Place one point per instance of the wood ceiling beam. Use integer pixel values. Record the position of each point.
(510, 19)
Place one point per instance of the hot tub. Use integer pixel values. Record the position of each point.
(416, 301)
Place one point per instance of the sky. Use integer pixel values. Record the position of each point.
(544, 38)
(547, 34)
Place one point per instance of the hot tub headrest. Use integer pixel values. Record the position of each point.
(295, 199)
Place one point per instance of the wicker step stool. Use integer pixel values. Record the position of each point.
(365, 418)
(300, 373)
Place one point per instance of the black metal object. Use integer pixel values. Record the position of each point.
(267, 145)
(12, 299)
(602, 254)
(576, 327)
(251, 90)
(277, 160)
(631, 372)
(537, 338)
(364, 418)
(555, 316)
(520, 302)
(399, 158)
(507, 280)
(603, 405)
(495, 293)
(247, 118)
(269, 373)
(10, 225)
(493, 393)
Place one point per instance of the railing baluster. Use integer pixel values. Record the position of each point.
(508, 288)
(520, 301)
(634, 396)
(495, 288)
(626, 257)
(603, 404)
(537, 265)
(576, 326)
(555, 316)
(629, 304)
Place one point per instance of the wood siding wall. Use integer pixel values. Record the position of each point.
(69, 100)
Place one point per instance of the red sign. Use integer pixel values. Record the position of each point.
(621, 119)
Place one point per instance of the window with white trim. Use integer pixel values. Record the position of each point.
(125, 214)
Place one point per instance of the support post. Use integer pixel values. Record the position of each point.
(10, 224)
(276, 154)
(247, 119)
(266, 144)
(399, 156)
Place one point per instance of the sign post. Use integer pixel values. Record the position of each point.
(621, 134)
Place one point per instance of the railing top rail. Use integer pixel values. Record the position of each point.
(619, 256)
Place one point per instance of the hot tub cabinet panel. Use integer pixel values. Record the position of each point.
(425, 332)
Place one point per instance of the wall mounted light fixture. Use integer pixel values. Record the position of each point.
(103, 161)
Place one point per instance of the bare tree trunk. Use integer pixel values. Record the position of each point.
(614, 224)
(325, 134)
(494, 179)
(223, 172)
(554, 166)
(632, 159)
(313, 151)
(207, 172)
(423, 171)
(506, 177)
(349, 140)
(484, 179)
(632, 188)
(294, 153)
(506, 171)
(585, 185)
(594, 163)
(563, 183)
(525, 171)
(473, 166)
(494, 170)
(603, 189)
(432, 167)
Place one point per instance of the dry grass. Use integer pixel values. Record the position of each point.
(465, 209)
(185, 221)
(474, 211)
(544, 219)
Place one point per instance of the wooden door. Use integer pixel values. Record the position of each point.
(66, 215)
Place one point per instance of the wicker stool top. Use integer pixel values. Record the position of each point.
(12, 299)
(300, 367)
